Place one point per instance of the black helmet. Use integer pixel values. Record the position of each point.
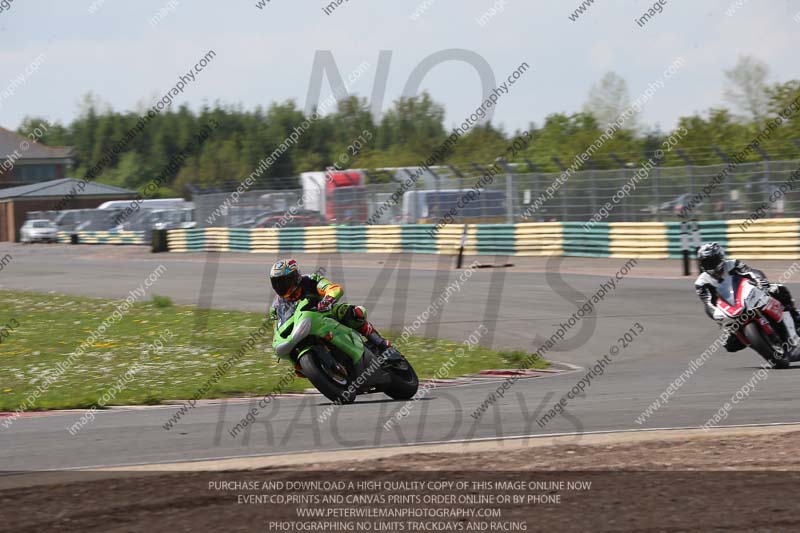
(711, 257)
(285, 277)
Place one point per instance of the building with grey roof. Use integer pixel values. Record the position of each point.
(17, 202)
(23, 161)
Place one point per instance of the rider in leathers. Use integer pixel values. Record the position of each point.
(713, 267)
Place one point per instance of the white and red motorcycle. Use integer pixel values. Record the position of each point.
(755, 318)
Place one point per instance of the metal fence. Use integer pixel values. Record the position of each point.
(657, 194)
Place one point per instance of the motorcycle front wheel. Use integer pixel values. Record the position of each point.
(332, 381)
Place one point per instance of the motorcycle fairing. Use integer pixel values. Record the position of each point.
(303, 321)
(735, 291)
(730, 294)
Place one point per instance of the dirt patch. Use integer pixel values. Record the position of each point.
(726, 482)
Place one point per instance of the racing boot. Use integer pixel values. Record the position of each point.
(793, 312)
(390, 355)
(791, 335)
(782, 294)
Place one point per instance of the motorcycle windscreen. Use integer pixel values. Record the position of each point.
(284, 309)
(728, 288)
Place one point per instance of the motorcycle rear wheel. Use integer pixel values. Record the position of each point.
(760, 344)
(405, 382)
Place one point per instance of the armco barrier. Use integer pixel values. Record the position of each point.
(104, 237)
(764, 239)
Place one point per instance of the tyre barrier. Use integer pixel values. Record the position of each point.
(763, 239)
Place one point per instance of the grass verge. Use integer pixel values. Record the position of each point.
(47, 328)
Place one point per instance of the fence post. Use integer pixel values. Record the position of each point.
(557, 161)
(509, 198)
(481, 171)
(765, 158)
(534, 180)
(657, 191)
(460, 177)
(500, 161)
(689, 168)
(685, 248)
(593, 188)
(767, 183)
(625, 200)
(696, 240)
(460, 259)
(726, 195)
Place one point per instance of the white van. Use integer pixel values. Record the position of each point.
(426, 207)
(160, 203)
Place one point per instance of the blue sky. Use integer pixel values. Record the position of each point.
(266, 55)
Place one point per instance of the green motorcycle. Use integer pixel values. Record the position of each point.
(335, 358)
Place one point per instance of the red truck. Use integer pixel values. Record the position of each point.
(339, 195)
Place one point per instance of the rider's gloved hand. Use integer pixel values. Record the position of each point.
(326, 303)
(763, 284)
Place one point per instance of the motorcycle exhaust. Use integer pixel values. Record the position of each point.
(370, 373)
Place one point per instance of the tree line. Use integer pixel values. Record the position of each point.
(405, 134)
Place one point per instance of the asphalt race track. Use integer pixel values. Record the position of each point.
(523, 301)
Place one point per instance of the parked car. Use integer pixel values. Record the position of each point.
(41, 230)
(97, 219)
(677, 204)
(68, 219)
(284, 219)
(150, 219)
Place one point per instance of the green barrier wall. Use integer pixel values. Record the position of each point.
(767, 239)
